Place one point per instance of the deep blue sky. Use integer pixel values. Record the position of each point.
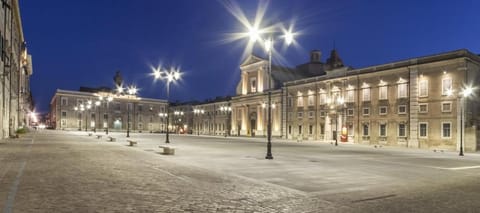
(83, 43)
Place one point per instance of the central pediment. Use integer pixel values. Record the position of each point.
(251, 59)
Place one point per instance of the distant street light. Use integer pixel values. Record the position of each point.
(132, 92)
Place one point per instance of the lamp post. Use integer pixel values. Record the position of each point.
(89, 106)
(162, 116)
(81, 109)
(197, 113)
(226, 110)
(97, 103)
(464, 94)
(170, 76)
(132, 92)
(255, 34)
(107, 99)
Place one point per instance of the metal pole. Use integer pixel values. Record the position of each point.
(128, 120)
(168, 114)
(461, 126)
(96, 115)
(336, 127)
(108, 116)
(269, 113)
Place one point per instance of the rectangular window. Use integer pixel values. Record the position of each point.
(446, 86)
(310, 129)
(64, 101)
(299, 129)
(253, 85)
(446, 106)
(423, 108)
(322, 129)
(350, 96)
(383, 95)
(300, 101)
(423, 88)
(366, 111)
(311, 100)
(423, 130)
(383, 130)
(349, 112)
(323, 113)
(310, 114)
(323, 98)
(300, 114)
(64, 114)
(105, 116)
(289, 101)
(401, 130)
(382, 110)
(289, 130)
(402, 109)
(446, 129)
(365, 130)
(366, 94)
(402, 90)
(64, 123)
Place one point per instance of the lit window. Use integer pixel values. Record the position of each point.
(423, 88)
(366, 111)
(64, 114)
(323, 113)
(423, 130)
(446, 106)
(446, 85)
(300, 101)
(382, 110)
(446, 129)
(366, 94)
(323, 98)
(423, 108)
(350, 96)
(383, 130)
(402, 130)
(402, 109)
(383, 93)
(402, 90)
(311, 99)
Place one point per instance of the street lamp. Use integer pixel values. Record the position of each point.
(132, 92)
(89, 106)
(107, 99)
(255, 35)
(197, 113)
(170, 76)
(227, 110)
(162, 116)
(463, 95)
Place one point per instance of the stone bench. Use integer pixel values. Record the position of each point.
(89, 134)
(167, 150)
(111, 139)
(99, 136)
(132, 142)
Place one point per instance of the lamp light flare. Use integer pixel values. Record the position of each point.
(467, 91)
(268, 45)
(176, 75)
(157, 74)
(288, 37)
(253, 33)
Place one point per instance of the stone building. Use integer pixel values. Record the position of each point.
(16, 68)
(212, 117)
(102, 109)
(415, 103)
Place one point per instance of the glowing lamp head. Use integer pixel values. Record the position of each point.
(110, 98)
(467, 91)
(157, 74)
(75, 108)
(254, 34)
(449, 92)
(268, 45)
(120, 89)
(288, 38)
(132, 90)
(97, 103)
(176, 75)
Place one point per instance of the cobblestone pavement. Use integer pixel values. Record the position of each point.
(56, 171)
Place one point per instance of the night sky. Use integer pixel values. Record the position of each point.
(83, 43)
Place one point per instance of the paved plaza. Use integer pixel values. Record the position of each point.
(65, 171)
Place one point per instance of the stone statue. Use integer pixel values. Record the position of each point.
(118, 79)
